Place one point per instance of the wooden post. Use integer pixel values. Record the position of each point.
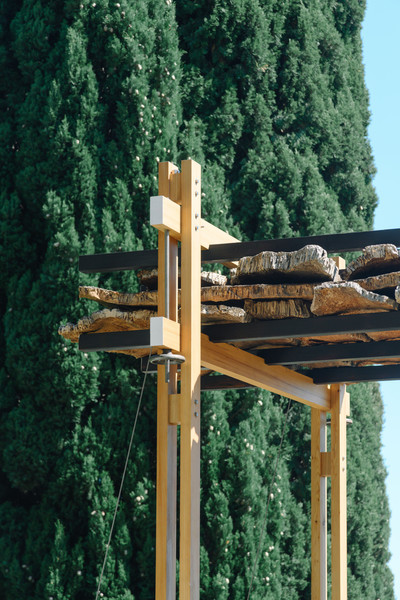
(166, 433)
(339, 411)
(189, 582)
(318, 507)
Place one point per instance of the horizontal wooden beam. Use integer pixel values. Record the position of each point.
(354, 374)
(165, 215)
(335, 325)
(242, 365)
(332, 352)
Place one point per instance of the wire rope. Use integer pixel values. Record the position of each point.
(268, 502)
(123, 478)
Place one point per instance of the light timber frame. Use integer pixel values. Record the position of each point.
(177, 209)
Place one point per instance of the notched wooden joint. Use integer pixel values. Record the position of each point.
(325, 464)
(174, 409)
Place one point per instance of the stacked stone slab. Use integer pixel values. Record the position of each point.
(304, 284)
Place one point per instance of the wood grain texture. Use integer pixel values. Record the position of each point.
(189, 578)
(166, 434)
(339, 401)
(319, 561)
(242, 365)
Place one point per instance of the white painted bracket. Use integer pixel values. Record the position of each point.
(165, 215)
(165, 333)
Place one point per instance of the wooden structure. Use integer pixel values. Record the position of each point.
(176, 213)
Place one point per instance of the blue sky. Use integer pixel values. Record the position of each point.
(381, 60)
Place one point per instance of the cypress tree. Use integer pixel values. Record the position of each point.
(94, 102)
(275, 109)
(279, 91)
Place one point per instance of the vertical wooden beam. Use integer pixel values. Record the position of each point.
(189, 556)
(166, 434)
(318, 508)
(339, 410)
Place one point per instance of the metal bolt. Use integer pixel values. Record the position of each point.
(196, 414)
(196, 216)
(196, 181)
(196, 401)
(196, 193)
(196, 228)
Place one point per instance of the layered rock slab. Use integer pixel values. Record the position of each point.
(348, 298)
(149, 278)
(277, 309)
(221, 293)
(211, 313)
(107, 320)
(386, 282)
(374, 260)
(112, 299)
(307, 265)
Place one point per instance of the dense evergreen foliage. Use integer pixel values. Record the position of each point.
(269, 97)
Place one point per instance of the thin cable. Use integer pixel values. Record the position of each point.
(268, 501)
(123, 477)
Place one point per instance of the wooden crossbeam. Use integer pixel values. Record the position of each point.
(165, 215)
(249, 368)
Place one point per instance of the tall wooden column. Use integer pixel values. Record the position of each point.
(189, 556)
(339, 411)
(166, 433)
(319, 473)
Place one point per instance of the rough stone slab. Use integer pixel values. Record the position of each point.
(309, 264)
(110, 298)
(107, 320)
(397, 294)
(381, 336)
(220, 293)
(385, 281)
(381, 258)
(267, 344)
(254, 291)
(335, 339)
(223, 314)
(149, 278)
(277, 309)
(348, 298)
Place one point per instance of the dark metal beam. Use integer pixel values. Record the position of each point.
(222, 382)
(220, 253)
(332, 243)
(332, 352)
(259, 331)
(114, 340)
(118, 261)
(354, 374)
